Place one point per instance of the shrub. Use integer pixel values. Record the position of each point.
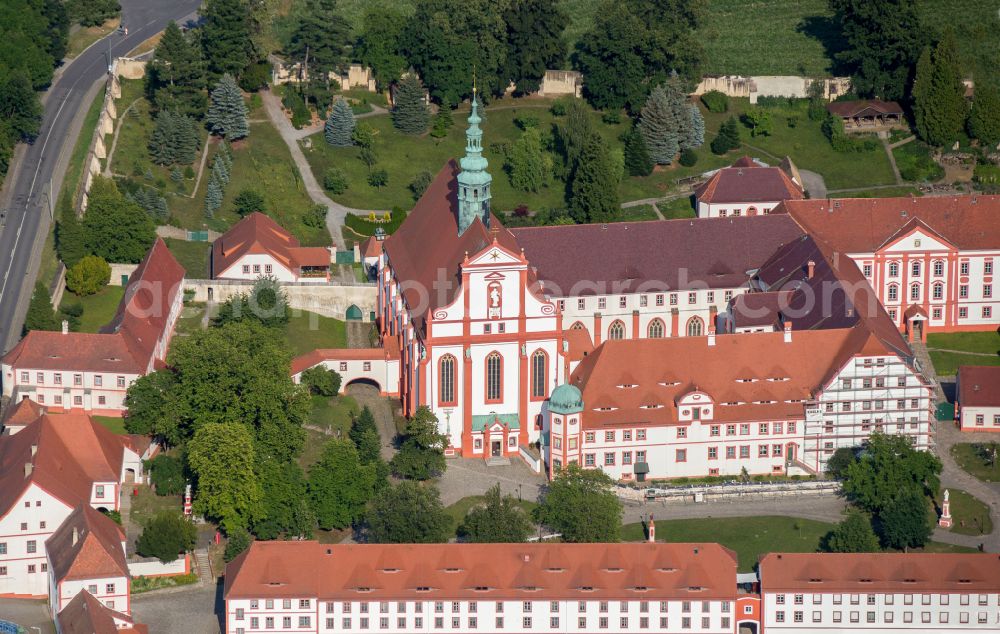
(378, 178)
(88, 276)
(612, 118)
(420, 183)
(167, 475)
(366, 226)
(558, 108)
(248, 201)
(292, 100)
(315, 217)
(321, 381)
(715, 101)
(521, 211)
(688, 158)
(526, 121)
(335, 181)
(115, 516)
(166, 536)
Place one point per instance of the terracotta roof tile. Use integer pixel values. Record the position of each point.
(86, 615)
(978, 386)
(880, 572)
(88, 545)
(310, 359)
(259, 234)
(21, 413)
(652, 255)
(863, 225)
(518, 570)
(864, 107)
(746, 181)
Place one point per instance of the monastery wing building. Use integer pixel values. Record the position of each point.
(677, 348)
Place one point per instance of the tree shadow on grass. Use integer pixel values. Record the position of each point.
(826, 30)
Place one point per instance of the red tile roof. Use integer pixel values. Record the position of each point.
(481, 571)
(86, 615)
(310, 359)
(652, 255)
(748, 182)
(661, 372)
(978, 386)
(258, 234)
(880, 572)
(863, 225)
(21, 413)
(127, 344)
(67, 454)
(580, 343)
(88, 545)
(864, 108)
(427, 251)
(759, 309)
(371, 248)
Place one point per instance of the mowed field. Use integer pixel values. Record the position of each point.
(778, 37)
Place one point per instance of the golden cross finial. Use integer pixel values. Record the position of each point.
(473, 80)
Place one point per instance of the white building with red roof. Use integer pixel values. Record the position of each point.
(977, 398)
(85, 614)
(53, 466)
(90, 372)
(746, 188)
(930, 260)
(258, 246)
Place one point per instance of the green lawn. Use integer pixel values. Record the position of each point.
(193, 256)
(973, 458)
(679, 208)
(307, 331)
(458, 510)
(970, 516)
(752, 537)
(83, 36)
(98, 309)
(190, 319)
(312, 449)
(116, 424)
(333, 413)
(638, 213)
(147, 504)
(885, 192)
(947, 363)
(260, 162)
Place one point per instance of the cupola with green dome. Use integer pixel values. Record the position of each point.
(566, 399)
(473, 181)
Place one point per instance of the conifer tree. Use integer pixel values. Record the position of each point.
(187, 143)
(40, 315)
(728, 137)
(219, 171)
(637, 159)
(340, 124)
(594, 189)
(984, 119)
(162, 140)
(71, 237)
(695, 133)
(665, 121)
(213, 197)
(409, 113)
(939, 109)
(176, 78)
(226, 37)
(227, 114)
(527, 162)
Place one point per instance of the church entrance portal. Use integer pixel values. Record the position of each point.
(496, 448)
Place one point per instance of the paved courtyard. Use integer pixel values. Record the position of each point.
(188, 609)
(31, 614)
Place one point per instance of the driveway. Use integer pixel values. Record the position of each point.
(193, 609)
(31, 614)
(383, 409)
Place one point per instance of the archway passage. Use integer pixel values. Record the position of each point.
(748, 627)
(354, 313)
(364, 381)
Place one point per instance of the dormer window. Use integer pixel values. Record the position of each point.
(423, 589)
(586, 588)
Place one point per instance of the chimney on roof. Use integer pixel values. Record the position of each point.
(788, 331)
(34, 449)
(65, 327)
(810, 269)
(652, 529)
(76, 535)
(711, 335)
(27, 469)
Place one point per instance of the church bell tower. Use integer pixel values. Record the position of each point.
(473, 181)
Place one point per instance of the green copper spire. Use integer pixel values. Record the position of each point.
(473, 181)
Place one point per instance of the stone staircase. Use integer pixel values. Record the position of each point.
(497, 461)
(202, 566)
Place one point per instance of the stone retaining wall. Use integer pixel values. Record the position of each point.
(329, 300)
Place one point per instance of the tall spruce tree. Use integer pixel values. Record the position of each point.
(637, 159)
(226, 36)
(323, 34)
(694, 134)
(176, 77)
(728, 138)
(939, 107)
(594, 187)
(40, 315)
(534, 41)
(409, 112)
(71, 238)
(526, 162)
(665, 122)
(227, 114)
(984, 118)
(213, 197)
(163, 139)
(339, 128)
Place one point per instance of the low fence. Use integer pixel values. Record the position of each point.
(727, 491)
(153, 567)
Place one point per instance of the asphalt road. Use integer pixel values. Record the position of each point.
(41, 166)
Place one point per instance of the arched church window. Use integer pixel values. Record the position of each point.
(539, 370)
(655, 329)
(695, 327)
(577, 326)
(446, 379)
(616, 330)
(494, 376)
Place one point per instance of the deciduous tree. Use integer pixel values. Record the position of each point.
(903, 521)
(340, 485)
(116, 228)
(221, 455)
(421, 452)
(378, 46)
(889, 465)
(284, 510)
(167, 475)
(407, 513)
(534, 42)
(321, 381)
(89, 275)
(166, 537)
(498, 519)
(527, 162)
(854, 534)
(580, 504)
